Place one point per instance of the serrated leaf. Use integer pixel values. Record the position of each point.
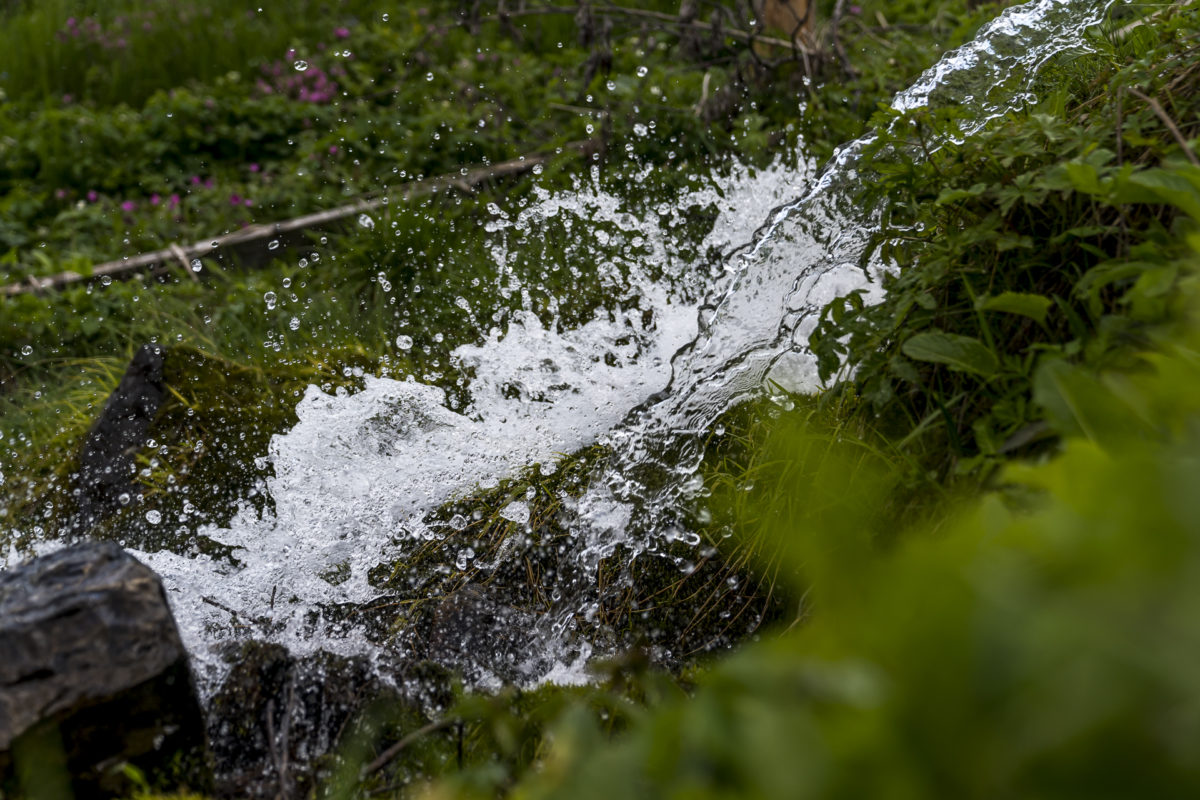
(1034, 306)
(962, 353)
(954, 195)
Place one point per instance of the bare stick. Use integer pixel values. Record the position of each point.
(838, 10)
(387, 755)
(155, 262)
(1161, 113)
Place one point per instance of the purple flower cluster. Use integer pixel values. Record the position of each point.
(115, 36)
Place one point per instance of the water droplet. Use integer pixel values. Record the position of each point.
(153, 517)
(366, 221)
(273, 244)
(464, 558)
(197, 265)
(27, 350)
(458, 522)
(642, 71)
(404, 342)
(428, 76)
(294, 323)
(270, 299)
(300, 66)
(105, 280)
(123, 498)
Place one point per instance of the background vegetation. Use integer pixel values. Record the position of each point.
(984, 533)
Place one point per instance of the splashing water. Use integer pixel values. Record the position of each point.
(807, 254)
(359, 472)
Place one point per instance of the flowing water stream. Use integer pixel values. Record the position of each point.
(355, 478)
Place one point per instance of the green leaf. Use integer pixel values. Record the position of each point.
(1078, 404)
(954, 195)
(957, 352)
(1034, 306)
(1178, 187)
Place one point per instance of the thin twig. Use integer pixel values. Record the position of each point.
(1161, 113)
(177, 251)
(838, 10)
(387, 755)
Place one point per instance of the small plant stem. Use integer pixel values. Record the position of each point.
(1161, 113)
(387, 755)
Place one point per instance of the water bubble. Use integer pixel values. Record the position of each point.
(270, 299)
(366, 221)
(153, 517)
(642, 71)
(123, 498)
(611, 86)
(302, 263)
(464, 558)
(197, 265)
(300, 66)
(458, 522)
(294, 323)
(273, 244)
(404, 342)
(27, 350)
(429, 76)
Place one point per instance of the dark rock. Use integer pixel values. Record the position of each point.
(93, 675)
(107, 463)
(277, 720)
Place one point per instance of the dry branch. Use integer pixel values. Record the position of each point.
(254, 236)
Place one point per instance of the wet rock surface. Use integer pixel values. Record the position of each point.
(107, 460)
(279, 722)
(93, 675)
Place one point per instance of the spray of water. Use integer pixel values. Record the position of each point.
(359, 473)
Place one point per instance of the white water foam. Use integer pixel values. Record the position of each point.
(358, 472)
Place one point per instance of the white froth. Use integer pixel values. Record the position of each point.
(356, 475)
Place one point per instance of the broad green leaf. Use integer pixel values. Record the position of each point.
(1078, 404)
(1162, 186)
(957, 352)
(954, 195)
(1034, 306)
(1083, 177)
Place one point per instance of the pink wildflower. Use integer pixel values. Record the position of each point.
(128, 205)
(155, 199)
(92, 196)
(342, 33)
